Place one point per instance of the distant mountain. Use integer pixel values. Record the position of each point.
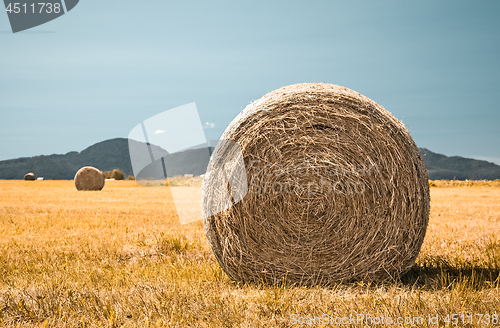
(114, 154)
(441, 167)
(106, 155)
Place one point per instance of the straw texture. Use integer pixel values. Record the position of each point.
(89, 178)
(337, 191)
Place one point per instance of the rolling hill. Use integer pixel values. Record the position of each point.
(106, 155)
(114, 154)
(441, 167)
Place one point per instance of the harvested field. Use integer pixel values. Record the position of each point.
(120, 258)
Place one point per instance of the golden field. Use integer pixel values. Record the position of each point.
(120, 258)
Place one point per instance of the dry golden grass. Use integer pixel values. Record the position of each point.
(119, 257)
(464, 183)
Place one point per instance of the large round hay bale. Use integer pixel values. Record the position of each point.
(337, 190)
(29, 177)
(89, 178)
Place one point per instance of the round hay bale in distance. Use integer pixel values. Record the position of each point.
(89, 178)
(29, 177)
(337, 190)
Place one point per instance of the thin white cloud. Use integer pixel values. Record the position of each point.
(209, 125)
(160, 131)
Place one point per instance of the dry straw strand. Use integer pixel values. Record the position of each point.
(312, 139)
(89, 178)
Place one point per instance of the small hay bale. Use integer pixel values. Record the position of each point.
(89, 178)
(29, 177)
(337, 191)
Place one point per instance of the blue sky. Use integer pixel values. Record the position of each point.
(98, 71)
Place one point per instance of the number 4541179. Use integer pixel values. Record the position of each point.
(34, 8)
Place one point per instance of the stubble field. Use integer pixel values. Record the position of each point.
(120, 258)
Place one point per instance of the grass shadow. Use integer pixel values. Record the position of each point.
(435, 277)
(444, 277)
